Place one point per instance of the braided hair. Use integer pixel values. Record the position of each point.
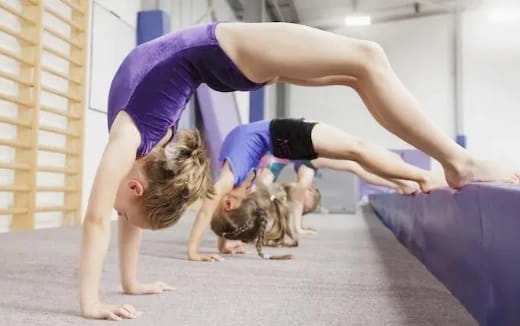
(249, 221)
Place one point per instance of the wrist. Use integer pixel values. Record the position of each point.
(133, 287)
(192, 252)
(87, 305)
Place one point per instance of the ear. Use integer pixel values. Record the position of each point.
(228, 203)
(136, 187)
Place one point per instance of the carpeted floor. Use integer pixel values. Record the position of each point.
(352, 273)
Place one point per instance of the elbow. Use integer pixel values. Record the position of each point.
(95, 222)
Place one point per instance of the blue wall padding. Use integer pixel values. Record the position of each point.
(256, 105)
(462, 140)
(470, 240)
(151, 24)
(220, 115)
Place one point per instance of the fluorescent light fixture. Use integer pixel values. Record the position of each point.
(358, 20)
(504, 15)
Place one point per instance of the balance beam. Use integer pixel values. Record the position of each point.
(469, 239)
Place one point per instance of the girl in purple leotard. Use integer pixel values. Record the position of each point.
(148, 178)
(236, 212)
(139, 167)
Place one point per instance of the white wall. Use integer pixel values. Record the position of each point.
(420, 52)
(242, 100)
(491, 95)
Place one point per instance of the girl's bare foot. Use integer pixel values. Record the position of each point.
(471, 169)
(432, 181)
(407, 187)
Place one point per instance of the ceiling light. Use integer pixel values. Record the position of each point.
(358, 20)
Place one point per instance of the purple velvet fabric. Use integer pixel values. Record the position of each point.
(156, 80)
(468, 239)
(244, 147)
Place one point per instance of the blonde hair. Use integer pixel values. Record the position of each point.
(281, 232)
(316, 198)
(178, 175)
(249, 221)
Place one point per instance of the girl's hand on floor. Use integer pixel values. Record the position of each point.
(150, 288)
(202, 257)
(110, 312)
(234, 249)
(306, 232)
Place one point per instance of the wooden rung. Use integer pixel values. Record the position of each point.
(59, 131)
(56, 150)
(73, 6)
(63, 37)
(60, 74)
(60, 93)
(14, 166)
(57, 169)
(13, 143)
(59, 112)
(64, 19)
(62, 56)
(13, 211)
(16, 122)
(16, 13)
(55, 189)
(14, 99)
(13, 188)
(42, 209)
(16, 79)
(15, 56)
(16, 34)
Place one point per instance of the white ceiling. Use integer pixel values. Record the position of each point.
(329, 14)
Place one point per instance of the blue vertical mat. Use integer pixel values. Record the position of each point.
(151, 24)
(462, 140)
(256, 105)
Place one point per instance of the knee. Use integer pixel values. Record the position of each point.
(373, 57)
(357, 150)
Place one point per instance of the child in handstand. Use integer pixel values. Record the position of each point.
(304, 196)
(149, 93)
(291, 139)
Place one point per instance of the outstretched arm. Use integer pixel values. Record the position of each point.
(305, 177)
(129, 243)
(223, 185)
(116, 162)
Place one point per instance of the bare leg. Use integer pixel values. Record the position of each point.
(333, 143)
(300, 52)
(405, 187)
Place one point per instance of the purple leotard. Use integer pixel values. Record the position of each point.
(156, 80)
(244, 147)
